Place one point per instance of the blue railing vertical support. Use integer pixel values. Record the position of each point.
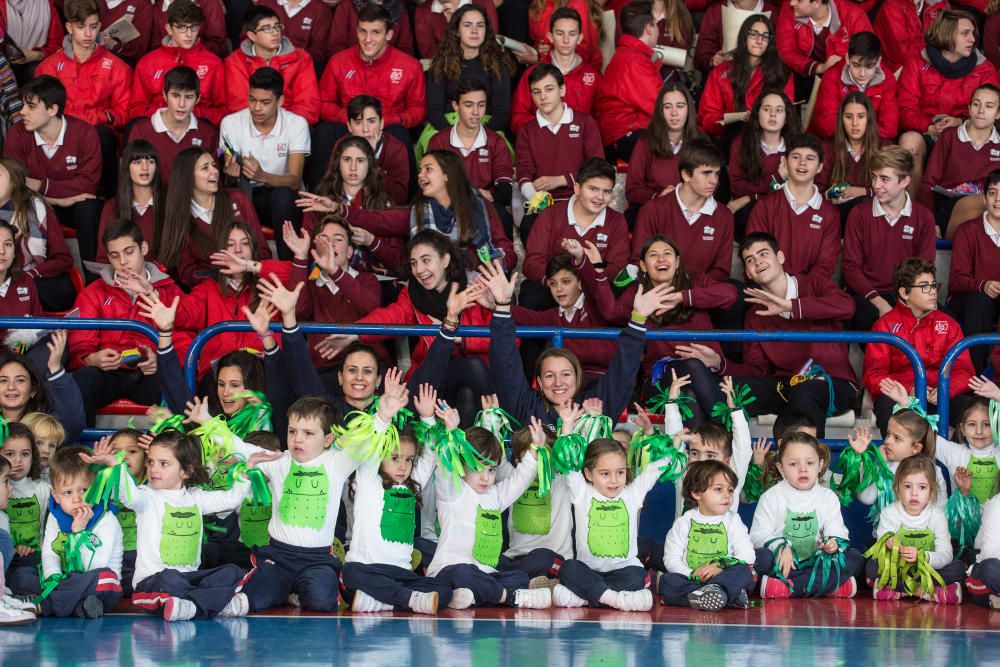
(944, 375)
(557, 339)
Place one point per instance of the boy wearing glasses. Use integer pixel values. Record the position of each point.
(917, 320)
(212, 25)
(266, 46)
(181, 46)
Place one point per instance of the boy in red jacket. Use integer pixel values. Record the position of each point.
(826, 384)
(266, 46)
(307, 25)
(96, 82)
(63, 157)
(628, 90)
(109, 365)
(917, 320)
(813, 36)
(181, 46)
(213, 25)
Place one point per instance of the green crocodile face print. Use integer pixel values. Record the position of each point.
(126, 519)
(802, 532)
(532, 514)
(399, 515)
(254, 520)
(707, 543)
(489, 537)
(25, 521)
(984, 477)
(607, 528)
(180, 537)
(59, 548)
(304, 497)
(923, 540)
(220, 478)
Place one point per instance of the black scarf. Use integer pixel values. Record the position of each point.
(431, 302)
(952, 70)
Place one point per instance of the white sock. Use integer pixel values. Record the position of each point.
(609, 598)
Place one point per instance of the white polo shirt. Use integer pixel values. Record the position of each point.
(289, 135)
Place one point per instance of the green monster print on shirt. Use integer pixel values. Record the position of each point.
(254, 520)
(25, 516)
(220, 478)
(59, 548)
(707, 543)
(126, 519)
(180, 537)
(984, 477)
(305, 496)
(489, 537)
(802, 532)
(399, 515)
(607, 528)
(532, 513)
(923, 539)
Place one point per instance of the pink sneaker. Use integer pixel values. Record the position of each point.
(848, 589)
(950, 594)
(774, 589)
(886, 594)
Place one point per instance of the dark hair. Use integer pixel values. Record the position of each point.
(565, 13)
(771, 475)
(182, 77)
(561, 262)
(269, 79)
(521, 442)
(866, 45)
(18, 431)
(992, 178)
(442, 245)
(460, 191)
(264, 440)
(788, 419)
(907, 271)
(333, 220)
(758, 237)
(135, 150)
(187, 451)
(66, 464)
(251, 369)
(468, 85)
(658, 133)
(15, 265)
(375, 12)
(255, 15)
(595, 167)
(357, 105)
(700, 474)
(48, 90)
(405, 435)
(698, 152)
(716, 437)
(447, 63)
(38, 400)
(986, 86)
(373, 194)
(179, 227)
(4, 465)
(751, 157)
(249, 283)
(133, 433)
(485, 443)
(772, 68)
(358, 347)
(601, 446)
(807, 141)
(184, 11)
(316, 407)
(842, 160)
(974, 403)
(121, 228)
(681, 313)
(635, 16)
(912, 465)
(799, 438)
(543, 70)
(78, 11)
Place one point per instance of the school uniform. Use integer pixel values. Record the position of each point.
(804, 45)
(649, 174)
(147, 83)
(589, 48)
(213, 29)
(924, 92)
(955, 161)
(344, 30)
(440, 94)
(295, 66)
(837, 82)
(626, 98)
(582, 82)
(488, 162)
(710, 31)
(307, 26)
(973, 263)
(756, 188)
(141, 215)
(198, 134)
(718, 98)
(27, 511)
(430, 24)
(44, 255)
(983, 581)
(140, 15)
(97, 89)
(556, 149)
(395, 78)
(900, 26)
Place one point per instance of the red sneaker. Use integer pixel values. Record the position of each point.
(950, 594)
(885, 594)
(774, 589)
(848, 589)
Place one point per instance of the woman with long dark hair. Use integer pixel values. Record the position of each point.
(23, 389)
(140, 193)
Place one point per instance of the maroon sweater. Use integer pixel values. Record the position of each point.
(309, 29)
(810, 240)
(485, 166)
(140, 13)
(954, 162)
(821, 306)
(21, 300)
(553, 226)
(973, 259)
(542, 153)
(706, 245)
(873, 249)
(75, 168)
(741, 184)
(204, 136)
(594, 355)
(109, 214)
(648, 174)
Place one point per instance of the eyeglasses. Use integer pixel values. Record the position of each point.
(191, 27)
(763, 36)
(268, 29)
(927, 288)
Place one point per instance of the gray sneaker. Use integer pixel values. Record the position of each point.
(708, 598)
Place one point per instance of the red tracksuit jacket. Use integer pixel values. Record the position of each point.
(901, 30)
(710, 33)
(924, 92)
(295, 65)
(147, 84)
(97, 89)
(589, 47)
(394, 77)
(582, 83)
(797, 41)
(718, 98)
(628, 90)
(344, 31)
(213, 32)
(837, 83)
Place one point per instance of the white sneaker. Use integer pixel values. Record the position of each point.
(564, 597)
(366, 603)
(994, 601)
(533, 598)
(13, 616)
(238, 606)
(461, 598)
(24, 604)
(424, 603)
(293, 600)
(179, 609)
(634, 600)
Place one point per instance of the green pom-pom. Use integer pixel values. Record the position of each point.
(753, 485)
(260, 492)
(360, 439)
(171, 423)
(659, 401)
(859, 471)
(498, 422)
(661, 448)
(593, 427)
(107, 484)
(568, 453)
(456, 455)
(252, 416)
(216, 441)
(741, 399)
(402, 418)
(964, 518)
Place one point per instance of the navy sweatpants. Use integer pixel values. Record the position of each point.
(280, 569)
(590, 584)
(675, 587)
(22, 575)
(854, 564)
(535, 563)
(210, 590)
(488, 588)
(72, 590)
(983, 581)
(392, 585)
(128, 572)
(950, 573)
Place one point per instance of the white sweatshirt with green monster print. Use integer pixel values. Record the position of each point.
(916, 528)
(801, 517)
(106, 538)
(696, 539)
(27, 509)
(984, 464)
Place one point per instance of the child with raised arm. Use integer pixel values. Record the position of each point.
(168, 581)
(708, 544)
(127, 440)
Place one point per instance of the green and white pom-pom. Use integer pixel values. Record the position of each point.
(827, 564)
(568, 452)
(593, 427)
(861, 471)
(216, 441)
(965, 515)
(753, 485)
(497, 421)
(402, 418)
(260, 493)
(888, 560)
(76, 544)
(658, 402)
(423, 432)
(918, 577)
(546, 469)
(106, 486)
(741, 399)
(252, 416)
(360, 439)
(456, 455)
(171, 423)
(647, 449)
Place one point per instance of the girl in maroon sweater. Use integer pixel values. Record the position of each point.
(45, 257)
(140, 187)
(19, 299)
(849, 156)
(660, 263)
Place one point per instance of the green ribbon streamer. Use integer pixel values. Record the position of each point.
(48, 585)
(360, 439)
(424, 432)
(753, 485)
(964, 518)
(660, 447)
(171, 423)
(106, 486)
(593, 427)
(568, 453)
(914, 405)
(4, 429)
(260, 492)
(918, 577)
(402, 418)
(456, 455)
(826, 564)
(252, 416)
(497, 421)
(741, 399)
(659, 401)
(861, 471)
(76, 543)
(546, 470)
(780, 543)
(216, 441)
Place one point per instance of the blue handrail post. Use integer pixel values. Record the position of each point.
(557, 338)
(944, 375)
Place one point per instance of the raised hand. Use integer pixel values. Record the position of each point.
(593, 406)
(257, 458)
(656, 301)
(228, 263)
(102, 454)
(309, 202)
(642, 419)
(162, 315)
(727, 388)
(196, 411)
(963, 480)
(894, 391)
(860, 439)
(489, 401)
(274, 292)
(493, 278)
(702, 353)
(426, 401)
(448, 415)
(537, 430)
(395, 395)
(334, 344)
(983, 386)
(574, 248)
(771, 305)
(260, 318)
(569, 414)
(761, 446)
(297, 242)
(677, 383)
(57, 347)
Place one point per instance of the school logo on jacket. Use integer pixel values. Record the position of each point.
(196, 141)
(602, 238)
(201, 71)
(589, 78)
(350, 74)
(396, 75)
(994, 155)
(817, 222)
(574, 131)
(130, 10)
(907, 232)
(282, 150)
(70, 162)
(896, 328)
(708, 233)
(484, 155)
(307, 23)
(106, 63)
(158, 74)
(941, 327)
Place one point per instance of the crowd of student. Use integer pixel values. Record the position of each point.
(388, 185)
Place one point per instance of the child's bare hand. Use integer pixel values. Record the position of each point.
(102, 454)
(761, 446)
(145, 440)
(707, 572)
(537, 430)
(23, 550)
(983, 386)
(196, 411)
(677, 383)
(894, 391)
(909, 554)
(158, 413)
(448, 415)
(81, 517)
(642, 419)
(860, 439)
(963, 480)
(425, 401)
(593, 406)
(489, 401)
(395, 396)
(831, 546)
(786, 561)
(262, 457)
(569, 415)
(727, 388)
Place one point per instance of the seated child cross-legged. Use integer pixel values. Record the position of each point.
(127, 440)
(708, 553)
(983, 581)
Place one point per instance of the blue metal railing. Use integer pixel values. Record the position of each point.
(559, 335)
(944, 375)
